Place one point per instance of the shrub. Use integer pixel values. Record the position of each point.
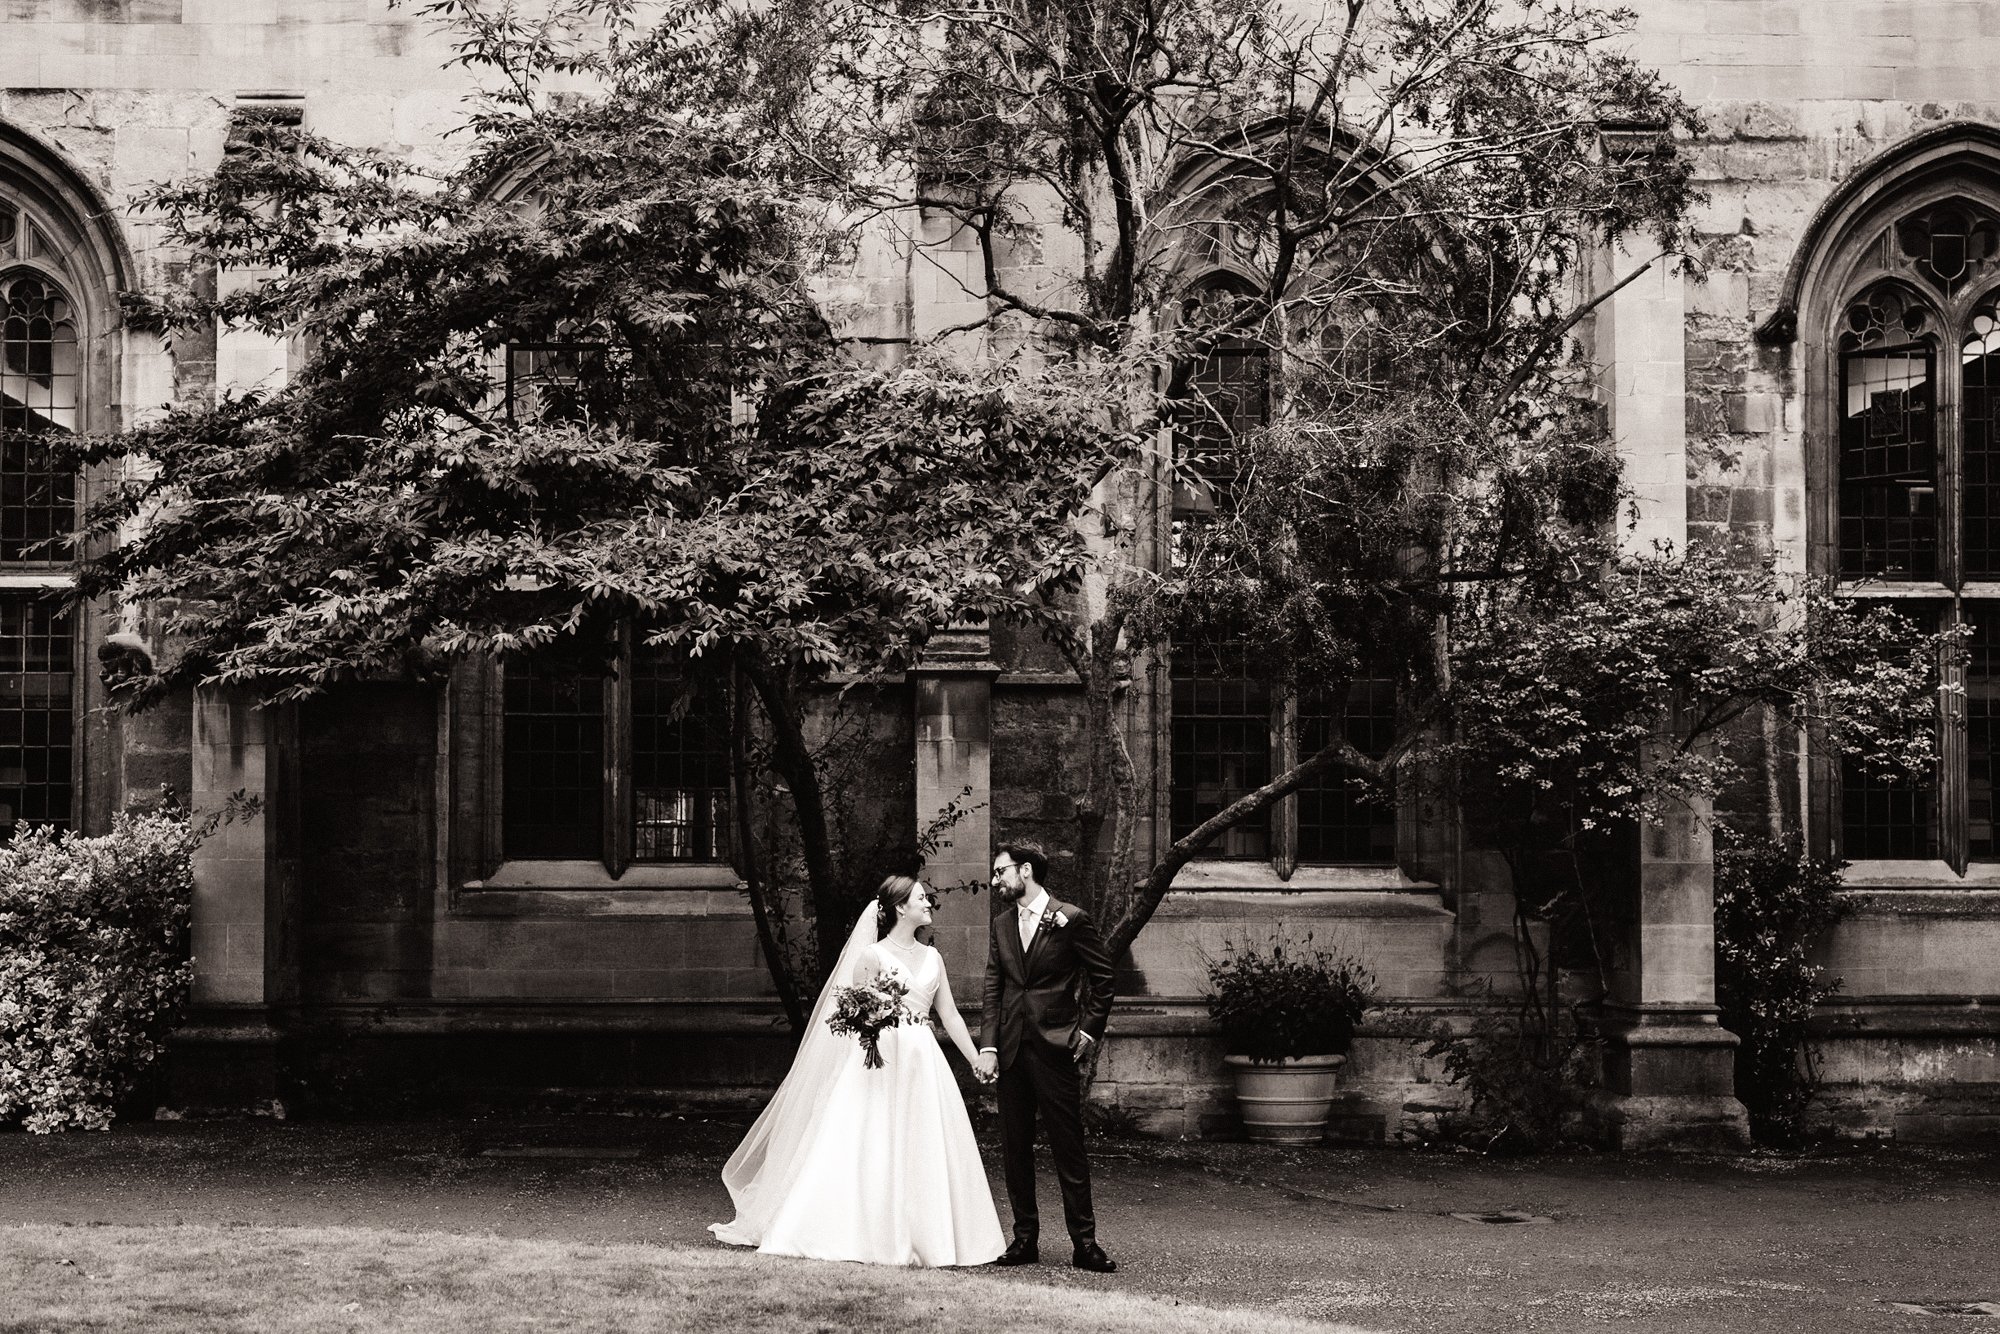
(1279, 1001)
(94, 965)
(1772, 901)
(1527, 1080)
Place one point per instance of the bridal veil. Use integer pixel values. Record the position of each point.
(766, 1164)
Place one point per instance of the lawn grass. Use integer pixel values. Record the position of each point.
(199, 1280)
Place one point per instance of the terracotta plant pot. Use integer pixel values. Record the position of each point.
(1285, 1101)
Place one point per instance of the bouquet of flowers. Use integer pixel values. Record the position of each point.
(866, 1011)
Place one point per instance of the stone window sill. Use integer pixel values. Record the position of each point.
(1252, 890)
(1216, 874)
(586, 889)
(1919, 875)
(1922, 889)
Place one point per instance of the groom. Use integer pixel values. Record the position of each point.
(1048, 995)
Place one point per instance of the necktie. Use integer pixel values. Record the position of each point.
(1027, 926)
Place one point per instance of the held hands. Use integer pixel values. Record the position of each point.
(986, 1067)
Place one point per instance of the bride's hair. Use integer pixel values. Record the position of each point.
(895, 892)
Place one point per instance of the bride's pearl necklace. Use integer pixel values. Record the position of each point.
(902, 949)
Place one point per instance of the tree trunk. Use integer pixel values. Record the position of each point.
(765, 907)
(792, 758)
(1111, 801)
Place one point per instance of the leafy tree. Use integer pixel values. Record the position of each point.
(1390, 212)
(769, 503)
(1393, 208)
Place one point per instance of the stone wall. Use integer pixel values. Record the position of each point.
(1798, 96)
(367, 799)
(665, 987)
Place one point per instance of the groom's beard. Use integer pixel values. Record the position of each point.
(1014, 895)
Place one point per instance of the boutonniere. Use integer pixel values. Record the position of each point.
(1056, 918)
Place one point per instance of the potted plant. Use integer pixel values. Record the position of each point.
(1287, 1011)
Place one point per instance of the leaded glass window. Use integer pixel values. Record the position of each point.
(1221, 743)
(1342, 816)
(565, 381)
(680, 768)
(1890, 816)
(41, 400)
(554, 784)
(1888, 443)
(37, 711)
(1982, 731)
(39, 378)
(1233, 725)
(620, 762)
(1918, 437)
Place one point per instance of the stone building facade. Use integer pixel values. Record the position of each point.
(1801, 401)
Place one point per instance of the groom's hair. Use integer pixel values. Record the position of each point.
(1032, 857)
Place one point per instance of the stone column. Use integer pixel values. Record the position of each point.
(244, 923)
(1641, 344)
(1669, 1065)
(952, 690)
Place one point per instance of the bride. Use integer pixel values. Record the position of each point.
(875, 1165)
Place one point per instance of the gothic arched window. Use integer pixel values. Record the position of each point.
(41, 398)
(1916, 433)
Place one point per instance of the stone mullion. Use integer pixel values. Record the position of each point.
(1952, 794)
(618, 814)
(1946, 431)
(1284, 755)
(1950, 472)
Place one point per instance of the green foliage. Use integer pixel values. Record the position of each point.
(1773, 901)
(94, 964)
(1526, 1081)
(702, 450)
(385, 510)
(1605, 688)
(1285, 999)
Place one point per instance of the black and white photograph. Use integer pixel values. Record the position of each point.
(999, 666)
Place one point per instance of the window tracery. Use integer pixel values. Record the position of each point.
(1949, 244)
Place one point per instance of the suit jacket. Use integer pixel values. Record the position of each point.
(1059, 985)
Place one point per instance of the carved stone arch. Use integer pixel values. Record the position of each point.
(1956, 159)
(1205, 188)
(92, 247)
(1880, 299)
(1875, 234)
(513, 182)
(90, 259)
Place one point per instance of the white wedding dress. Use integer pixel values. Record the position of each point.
(878, 1166)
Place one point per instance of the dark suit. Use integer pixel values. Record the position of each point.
(1037, 999)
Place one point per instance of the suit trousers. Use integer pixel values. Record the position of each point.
(1042, 1079)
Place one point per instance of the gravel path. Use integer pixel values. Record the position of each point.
(1742, 1245)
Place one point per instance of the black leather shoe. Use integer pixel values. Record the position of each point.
(1091, 1256)
(1020, 1253)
